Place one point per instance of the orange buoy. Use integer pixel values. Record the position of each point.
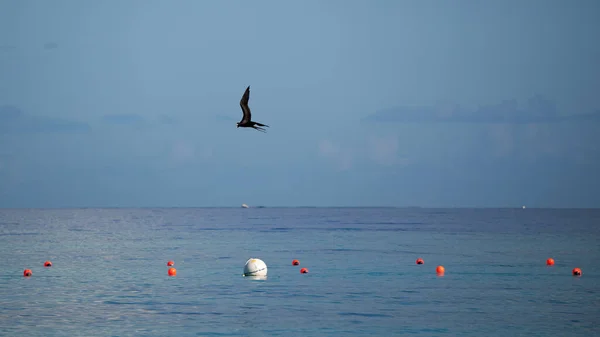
(440, 270)
(420, 261)
(172, 271)
(576, 272)
(170, 263)
(550, 262)
(295, 262)
(303, 271)
(27, 272)
(47, 264)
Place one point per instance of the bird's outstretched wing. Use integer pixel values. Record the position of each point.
(245, 107)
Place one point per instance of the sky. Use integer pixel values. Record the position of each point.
(370, 103)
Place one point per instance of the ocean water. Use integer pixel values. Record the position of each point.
(109, 274)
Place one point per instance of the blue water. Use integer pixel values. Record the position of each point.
(109, 276)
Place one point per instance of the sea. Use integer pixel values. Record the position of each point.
(109, 272)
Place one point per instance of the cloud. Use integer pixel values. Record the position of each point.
(13, 120)
(182, 152)
(7, 48)
(9, 113)
(373, 150)
(327, 148)
(537, 110)
(123, 119)
(181, 155)
(502, 138)
(137, 120)
(384, 151)
(50, 45)
(341, 157)
(164, 119)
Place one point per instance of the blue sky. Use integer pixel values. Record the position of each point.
(370, 103)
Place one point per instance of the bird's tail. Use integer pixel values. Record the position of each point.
(259, 128)
(259, 124)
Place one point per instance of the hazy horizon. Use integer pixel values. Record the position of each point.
(308, 206)
(384, 103)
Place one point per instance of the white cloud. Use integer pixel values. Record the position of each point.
(378, 150)
(182, 152)
(383, 150)
(341, 157)
(327, 148)
(530, 142)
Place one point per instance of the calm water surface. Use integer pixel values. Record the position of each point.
(110, 276)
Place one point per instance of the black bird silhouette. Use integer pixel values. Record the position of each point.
(246, 121)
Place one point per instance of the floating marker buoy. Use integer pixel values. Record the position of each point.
(576, 272)
(420, 261)
(172, 271)
(27, 272)
(440, 270)
(303, 271)
(170, 263)
(550, 262)
(295, 263)
(255, 267)
(47, 264)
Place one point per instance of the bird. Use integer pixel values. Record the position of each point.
(246, 121)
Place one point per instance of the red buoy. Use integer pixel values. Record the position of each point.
(420, 261)
(303, 271)
(295, 262)
(170, 263)
(27, 272)
(47, 264)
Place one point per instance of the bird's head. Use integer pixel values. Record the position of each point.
(237, 125)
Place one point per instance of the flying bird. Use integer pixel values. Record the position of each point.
(246, 121)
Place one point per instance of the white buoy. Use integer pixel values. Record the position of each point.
(255, 267)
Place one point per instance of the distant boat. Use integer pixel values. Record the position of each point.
(245, 206)
(523, 207)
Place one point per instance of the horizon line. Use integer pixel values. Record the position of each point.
(263, 207)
